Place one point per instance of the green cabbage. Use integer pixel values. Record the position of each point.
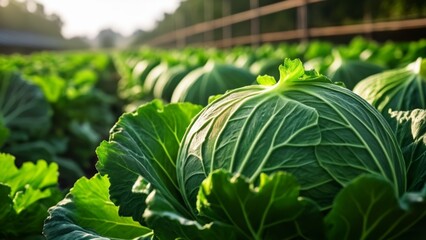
(323, 134)
(211, 79)
(23, 106)
(168, 81)
(266, 66)
(410, 131)
(350, 72)
(401, 89)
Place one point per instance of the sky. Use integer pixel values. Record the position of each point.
(88, 17)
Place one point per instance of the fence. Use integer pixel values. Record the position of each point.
(303, 32)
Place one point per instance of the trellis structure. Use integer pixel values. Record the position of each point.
(303, 32)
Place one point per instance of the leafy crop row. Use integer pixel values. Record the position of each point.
(301, 158)
(205, 150)
(57, 107)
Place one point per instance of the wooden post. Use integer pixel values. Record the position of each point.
(180, 39)
(254, 24)
(208, 16)
(368, 19)
(302, 21)
(226, 30)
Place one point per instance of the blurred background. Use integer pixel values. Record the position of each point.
(32, 25)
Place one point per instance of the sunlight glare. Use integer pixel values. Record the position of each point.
(31, 6)
(88, 17)
(4, 3)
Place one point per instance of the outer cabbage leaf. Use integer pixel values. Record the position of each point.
(132, 81)
(4, 132)
(25, 196)
(53, 86)
(142, 69)
(144, 144)
(266, 66)
(86, 119)
(350, 72)
(410, 129)
(6, 203)
(211, 79)
(154, 75)
(49, 149)
(23, 107)
(38, 176)
(368, 208)
(33, 150)
(168, 81)
(273, 210)
(87, 213)
(400, 89)
(168, 223)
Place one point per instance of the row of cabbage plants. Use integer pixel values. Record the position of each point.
(301, 157)
(217, 144)
(57, 107)
(334, 148)
(194, 74)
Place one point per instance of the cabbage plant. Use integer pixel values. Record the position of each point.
(322, 133)
(26, 192)
(401, 89)
(410, 130)
(352, 71)
(312, 161)
(23, 107)
(211, 79)
(168, 81)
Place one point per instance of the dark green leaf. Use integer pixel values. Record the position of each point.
(23, 107)
(4, 132)
(350, 72)
(145, 144)
(410, 130)
(400, 89)
(368, 208)
(87, 213)
(211, 79)
(6, 202)
(167, 223)
(273, 210)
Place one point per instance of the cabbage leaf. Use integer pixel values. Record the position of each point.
(79, 215)
(168, 223)
(401, 89)
(272, 210)
(25, 195)
(369, 209)
(145, 144)
(410, 130)
(23, 107)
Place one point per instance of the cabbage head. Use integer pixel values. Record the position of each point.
(322, 133)
(209, 80)
(350, 72)
(402, 89)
